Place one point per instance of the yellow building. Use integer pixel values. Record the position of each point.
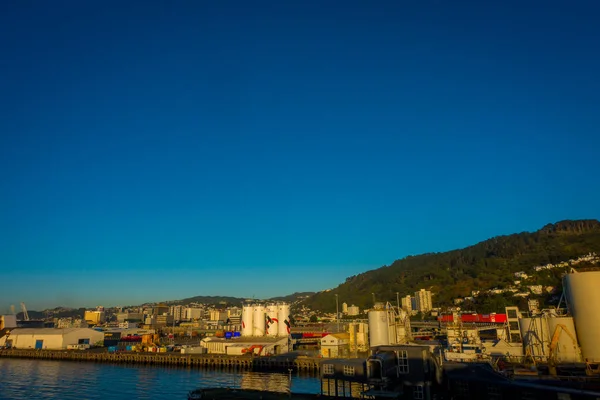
(335, 345)
(94, 317)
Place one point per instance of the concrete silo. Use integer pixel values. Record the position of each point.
(272, 320)
(259, 320)
(283, 315)
(582, 291)
(247, 320)
(379, 333)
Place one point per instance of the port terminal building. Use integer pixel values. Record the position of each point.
(50, 338)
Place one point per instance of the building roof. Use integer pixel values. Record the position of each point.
(247, 339)
(341, 335)
(48, 331)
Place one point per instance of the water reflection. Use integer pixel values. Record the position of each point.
(271, 382)
(344, 389)
(43, 379)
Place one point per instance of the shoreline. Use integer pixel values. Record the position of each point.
(216, 361)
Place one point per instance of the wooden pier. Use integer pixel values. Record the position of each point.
(216, 361)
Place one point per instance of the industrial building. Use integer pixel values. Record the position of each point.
(8, 321)
(260, 346)
(95, 317)
(50, 338)
(387, 326)
(335, 345)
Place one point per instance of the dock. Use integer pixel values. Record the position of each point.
(216, 361)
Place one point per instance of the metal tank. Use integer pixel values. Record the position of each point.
(272, 320)
(259, 321)
(379, 334)
(536, 336)
(247, 320)
(283, 315)
(583, 299)
(566, 349)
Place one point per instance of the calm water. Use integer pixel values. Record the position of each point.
(33, 379)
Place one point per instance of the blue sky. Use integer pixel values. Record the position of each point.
(154, 151)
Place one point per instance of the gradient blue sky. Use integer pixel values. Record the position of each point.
(158, 150)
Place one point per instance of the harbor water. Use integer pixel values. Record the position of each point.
(41, 379)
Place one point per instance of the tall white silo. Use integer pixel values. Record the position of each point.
(379, 332)
(259, 320)
(272, 320)
(283, 315)
(247, 320)
(583, 300)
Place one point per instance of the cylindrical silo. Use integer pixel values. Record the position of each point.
(536, 336)
(283, 315)
(272, 320)
(583, 300)
(566, 349)
(259, 320)
(378, 328)
(247, 320)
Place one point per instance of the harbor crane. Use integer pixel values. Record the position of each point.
(25, 315)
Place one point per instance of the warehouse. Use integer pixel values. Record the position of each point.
(50, 338)
(259, 346)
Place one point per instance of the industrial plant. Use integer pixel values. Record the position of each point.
(388, 351)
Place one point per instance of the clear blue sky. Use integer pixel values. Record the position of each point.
(158, 150)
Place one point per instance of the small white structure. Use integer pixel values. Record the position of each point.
(50, 338)
(335, 345)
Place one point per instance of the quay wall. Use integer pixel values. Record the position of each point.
(278, 363)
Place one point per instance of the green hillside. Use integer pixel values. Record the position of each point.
(486, 265)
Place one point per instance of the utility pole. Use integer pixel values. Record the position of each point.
(337, 312)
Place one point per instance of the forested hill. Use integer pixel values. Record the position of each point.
(486, 265)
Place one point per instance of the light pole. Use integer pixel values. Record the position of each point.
(337, 312)
(398, 300)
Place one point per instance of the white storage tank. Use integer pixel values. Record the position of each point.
(566, 350)
(272, 320)
(536, 336)
(283, 315)
(259, 320)
(247, 320)
(583, 299)
(379, 333)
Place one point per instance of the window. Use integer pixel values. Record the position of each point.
(403, 362)
(514, 326)
(418, 393)
(512, 313)
(348, 370)
(494, 392)
(462, 388)
(328, 369)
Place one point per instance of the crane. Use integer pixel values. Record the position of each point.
(552, 359)
(25, 315)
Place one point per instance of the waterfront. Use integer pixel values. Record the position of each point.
(24, 378)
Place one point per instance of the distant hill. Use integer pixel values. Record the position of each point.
(489, 264)
(291, 298)
(216, 300)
